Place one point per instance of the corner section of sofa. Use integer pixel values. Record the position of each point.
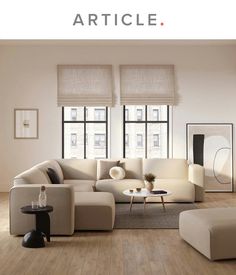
(60, 196)
(196, 176)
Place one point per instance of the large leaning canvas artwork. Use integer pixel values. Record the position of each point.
(211, 145)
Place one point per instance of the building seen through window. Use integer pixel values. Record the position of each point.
(139, 140)
(99, 114)
(73, 139)
(126, 140)
(146, 131)
(156, 140)
(139, 114)
(99, 140)
(85, 132)
(155, 114)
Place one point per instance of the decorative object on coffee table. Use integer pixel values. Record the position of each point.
(149, 179)
(144, 193)
(34, 238)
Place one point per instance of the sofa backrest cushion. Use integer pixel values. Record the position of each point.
(166, 168)
(103, 168)
(38, 173)
(53, 164)
(133, 168)
(32, 176)
(81, 169)
(54, 178)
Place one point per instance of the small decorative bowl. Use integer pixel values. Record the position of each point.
(138, 189)
(131, 190)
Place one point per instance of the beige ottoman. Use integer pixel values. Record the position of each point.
(94, 211)
(211, 231)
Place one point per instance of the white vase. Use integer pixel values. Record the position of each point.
(149, 186)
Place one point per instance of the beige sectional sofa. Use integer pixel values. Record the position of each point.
(85, 201)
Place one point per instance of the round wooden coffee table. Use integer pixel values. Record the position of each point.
(34, 238)
(144, 193)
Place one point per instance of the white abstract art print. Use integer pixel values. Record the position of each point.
(211, 145)
(26, 123)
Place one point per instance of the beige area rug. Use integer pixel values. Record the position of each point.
(153, 217)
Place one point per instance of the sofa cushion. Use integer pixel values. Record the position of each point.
(182, 190)
(133, 168)
(116, 187)
(166, 168)
(38, 174)
(117, 173)
(83, 169)
(94, 211)
(32, 176)
(81, 185)
(53, 164)
(54, 178)
(103, 168)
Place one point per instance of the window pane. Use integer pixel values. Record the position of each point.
(96, 113)
(73, 140)
(157, 113)
(96, 140)
(157, 140)
(136, 140)
(73, 113)
(134, 113)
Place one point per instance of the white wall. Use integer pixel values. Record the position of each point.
(206, 85)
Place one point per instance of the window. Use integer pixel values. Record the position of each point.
(73, 113)
(155, 113)
(99, 114)
(156, 140)
(146, 132)
(99, 140)
(126, 140)
(139, 140)
(139, 114)
(84, 132)
(73, 139)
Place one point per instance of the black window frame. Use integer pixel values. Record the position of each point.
(145, 121)
(85, 122)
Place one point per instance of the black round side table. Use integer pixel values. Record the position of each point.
(34, 238)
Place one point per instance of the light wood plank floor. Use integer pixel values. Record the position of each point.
(119, 252)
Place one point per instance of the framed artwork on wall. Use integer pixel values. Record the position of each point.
(26, 124)
(211, 145)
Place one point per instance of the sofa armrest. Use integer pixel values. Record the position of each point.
(196, 176)
(60, 196)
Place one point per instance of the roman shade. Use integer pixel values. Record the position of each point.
(147, 84)
(85, 85)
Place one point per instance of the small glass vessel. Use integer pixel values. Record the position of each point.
(42, 197)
